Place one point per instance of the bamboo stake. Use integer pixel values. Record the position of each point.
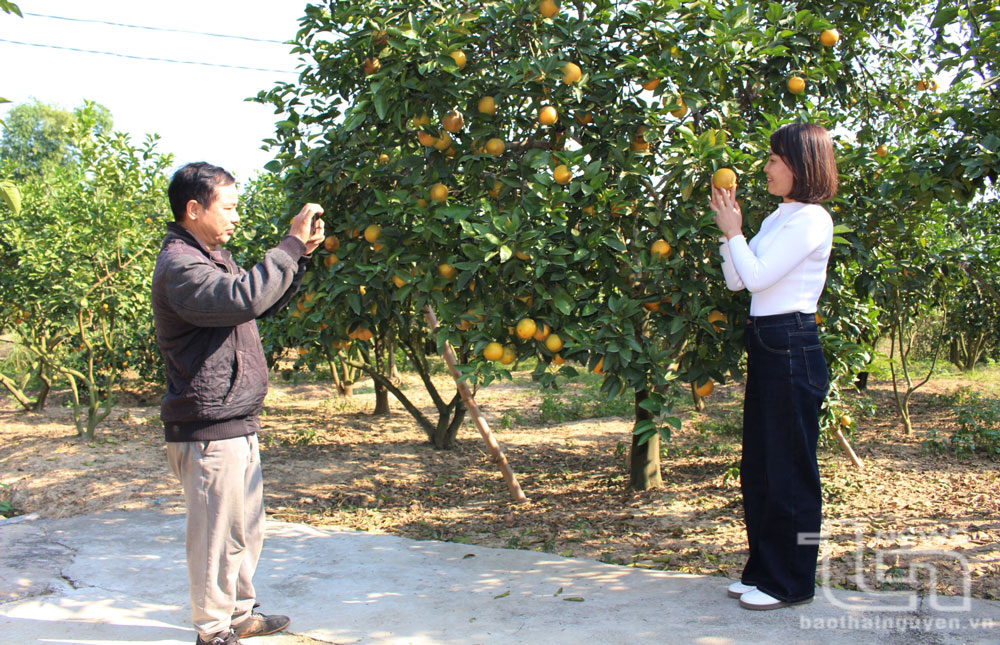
(842, 440)
(484, 429)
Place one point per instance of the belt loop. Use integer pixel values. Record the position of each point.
(798, 319)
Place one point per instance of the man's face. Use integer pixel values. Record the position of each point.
(214, 225)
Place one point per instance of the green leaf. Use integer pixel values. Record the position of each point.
(11, 196)
(356, 118)
(564, 303)
(944, 16)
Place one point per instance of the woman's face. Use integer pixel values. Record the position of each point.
(780, 179)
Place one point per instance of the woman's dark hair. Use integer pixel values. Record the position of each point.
(195, 181)
(807, 150)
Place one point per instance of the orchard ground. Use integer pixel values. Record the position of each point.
(328, 462)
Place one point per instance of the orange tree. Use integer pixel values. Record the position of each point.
(531, 161)
(77, 264)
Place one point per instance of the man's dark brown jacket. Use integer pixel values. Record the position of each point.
(205, 309)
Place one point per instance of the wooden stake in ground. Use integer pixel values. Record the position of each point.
(477, 416)
(842, 440)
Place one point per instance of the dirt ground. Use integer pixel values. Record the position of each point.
(327, 461)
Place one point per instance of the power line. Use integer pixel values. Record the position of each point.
(146, 58)
(178, 31)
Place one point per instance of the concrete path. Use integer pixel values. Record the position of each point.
(120, 577)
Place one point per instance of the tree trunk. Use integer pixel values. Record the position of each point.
(43, 394)
(381, 400)
(449, 422)
(644, 460)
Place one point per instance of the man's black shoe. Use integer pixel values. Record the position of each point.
(261, 625)
(222, 638)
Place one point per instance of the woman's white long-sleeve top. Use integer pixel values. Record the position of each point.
(784, 264)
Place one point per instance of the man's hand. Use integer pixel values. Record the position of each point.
(308, 227)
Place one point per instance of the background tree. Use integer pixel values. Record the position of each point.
(78, 264)
(38, 138)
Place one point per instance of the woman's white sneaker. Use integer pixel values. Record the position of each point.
(737, 589)
(761, 601)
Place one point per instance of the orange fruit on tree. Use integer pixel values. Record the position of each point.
(717, 317)
(426, 139)
(493, 351)
(651, 84)
(487, 105)
(724, 178)
(383, 158)
(444, 141)
(705, 388)
(651, 306)
(508, 356)
(829, 37)
(526, 328)
(547, 115)
(542, 332)
(558, 360)
(881, 150)
(599, 368)
(583, 118)
(363, 334)
(682, 110)
(398, 281)
(548, 8)
(331, 243)
(453, 121)
(638, 144)
(495, 191)
(459, 57)
(660, 249)
(439, 193)
(495, 147)
(571, 73)
(447, 271)
(372, 232)
(553, 343)
(371, 65)
(796, 84)
(421, 202)
(562, 175)
(421, 120)
(330, 260)
(846, 420)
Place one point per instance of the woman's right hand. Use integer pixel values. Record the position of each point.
(728, 216)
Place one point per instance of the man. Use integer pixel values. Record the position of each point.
(205, 309)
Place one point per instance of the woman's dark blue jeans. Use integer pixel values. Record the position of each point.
(787, 381)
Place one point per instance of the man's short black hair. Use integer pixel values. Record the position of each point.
(195, 181)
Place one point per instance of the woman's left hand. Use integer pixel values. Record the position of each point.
(728, 216)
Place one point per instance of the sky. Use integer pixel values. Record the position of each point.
(198, 111)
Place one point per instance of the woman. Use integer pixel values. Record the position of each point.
(784, 268)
